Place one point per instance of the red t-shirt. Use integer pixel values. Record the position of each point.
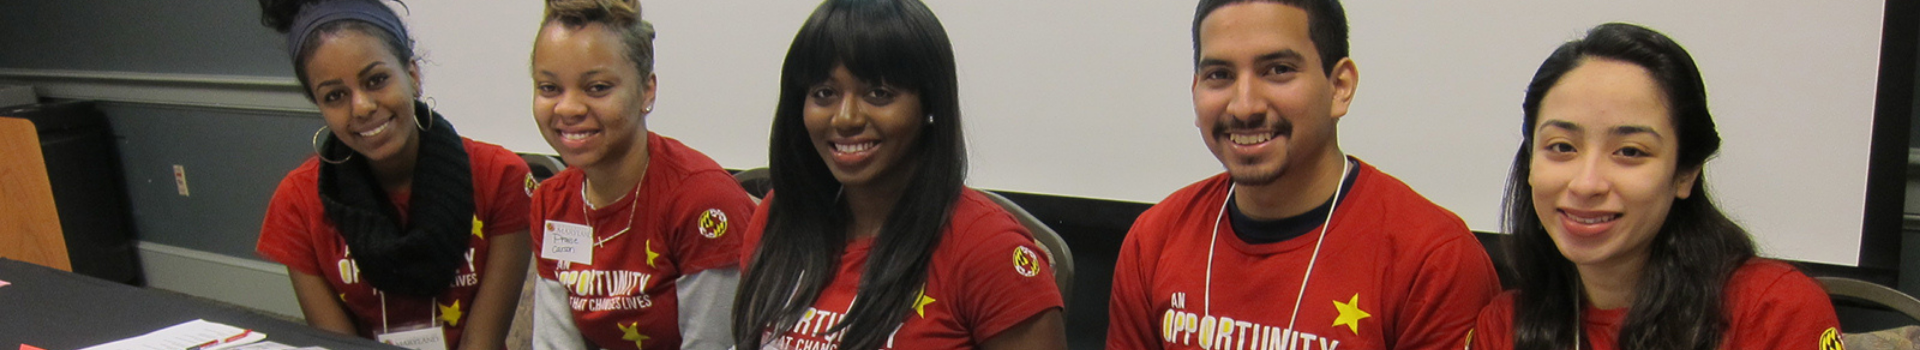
(1770, 304)
(1395, 272)
(987, 275)
(298, 234)
(686, 207)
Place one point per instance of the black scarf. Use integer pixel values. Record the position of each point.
(421, 258)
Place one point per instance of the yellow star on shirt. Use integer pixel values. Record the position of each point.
(1350, 314)
(650, 254)
(476, 228)
(631, 332)
(450, 314)
(920, 305)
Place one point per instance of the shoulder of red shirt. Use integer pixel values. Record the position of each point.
(1374, 193)
(1762, 281)
(975, 220)
(490, 156)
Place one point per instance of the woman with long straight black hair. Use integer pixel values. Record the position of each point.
(1615, 243)
(871, 240)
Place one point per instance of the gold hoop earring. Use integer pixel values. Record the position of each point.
(320, 151)
(431, 104)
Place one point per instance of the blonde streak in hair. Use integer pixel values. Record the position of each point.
(623, 11)
(575, 10)
(617, 12)
(556, 8)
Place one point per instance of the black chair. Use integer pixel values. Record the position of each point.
(542, 166)
(757, 182)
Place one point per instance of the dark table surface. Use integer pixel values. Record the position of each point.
(58, 310)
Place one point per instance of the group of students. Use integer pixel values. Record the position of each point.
(871, 240)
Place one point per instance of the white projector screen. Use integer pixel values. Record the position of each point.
(1092, 99)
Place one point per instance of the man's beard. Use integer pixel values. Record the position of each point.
(1248, 174)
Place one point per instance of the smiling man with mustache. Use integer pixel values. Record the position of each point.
(1304, 246)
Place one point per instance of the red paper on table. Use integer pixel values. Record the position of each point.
(29, 347)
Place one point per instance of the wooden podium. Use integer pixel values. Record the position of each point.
(29, 223)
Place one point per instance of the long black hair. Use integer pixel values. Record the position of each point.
(1678, 303)
(899, 43)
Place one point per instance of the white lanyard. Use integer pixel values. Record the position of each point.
(432, 319)
(1207, 298)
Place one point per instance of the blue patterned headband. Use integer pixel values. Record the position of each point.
(314, 15)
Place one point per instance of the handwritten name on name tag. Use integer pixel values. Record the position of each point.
(568, 242)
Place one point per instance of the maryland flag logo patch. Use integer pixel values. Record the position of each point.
(531, 185)
(1025, 261)
(1830, 340)
(713, 223)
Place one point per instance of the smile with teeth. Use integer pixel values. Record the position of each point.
(577, 135)
(1249, 138)
(854, 147)
(376, 131)
(1591, 220)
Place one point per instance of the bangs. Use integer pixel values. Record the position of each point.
(876, 45)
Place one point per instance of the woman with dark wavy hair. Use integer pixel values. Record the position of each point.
(870, 239)
(1615, 243)
(399, 229)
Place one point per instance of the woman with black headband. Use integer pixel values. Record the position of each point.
(398, 229)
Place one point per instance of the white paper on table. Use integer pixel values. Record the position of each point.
(189, 335)
(4, 283)
(267, 345)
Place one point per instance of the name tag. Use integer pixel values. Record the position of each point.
(431, 338)
(568, 242)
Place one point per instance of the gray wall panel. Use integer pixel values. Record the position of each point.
(191, 37)
(233, 161)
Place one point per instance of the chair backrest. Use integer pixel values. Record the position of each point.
(757, 182)
(542, 166)
(1057, 251)
(1857, 292)
(33, 232)
(1872, 293)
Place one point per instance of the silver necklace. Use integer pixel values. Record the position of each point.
(587, 208)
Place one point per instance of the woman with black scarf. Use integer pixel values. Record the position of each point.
(398, 229)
